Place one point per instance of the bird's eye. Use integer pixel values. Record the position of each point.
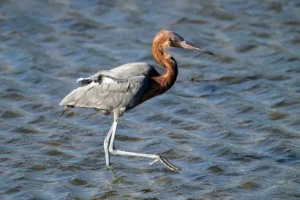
(173, 42)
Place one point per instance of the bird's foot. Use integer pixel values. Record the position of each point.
(108, 166)
(165, 162)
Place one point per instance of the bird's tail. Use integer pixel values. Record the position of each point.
(66, 108)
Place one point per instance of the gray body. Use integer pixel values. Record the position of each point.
(115, 90)
(119, 89)
(122, 88)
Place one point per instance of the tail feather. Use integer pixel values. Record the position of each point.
(66, 108)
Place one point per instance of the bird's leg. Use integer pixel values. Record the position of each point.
(106, 145)
(157, 158)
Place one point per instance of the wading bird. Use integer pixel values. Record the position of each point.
(125, 87)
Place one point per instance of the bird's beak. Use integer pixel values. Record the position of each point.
(187, 45)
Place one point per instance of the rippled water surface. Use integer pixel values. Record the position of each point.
(231, 122)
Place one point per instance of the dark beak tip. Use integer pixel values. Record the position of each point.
(187, 45)
(209, 53)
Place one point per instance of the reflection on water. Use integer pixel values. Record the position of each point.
(230, 122)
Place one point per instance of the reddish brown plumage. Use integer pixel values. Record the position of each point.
(160, 84)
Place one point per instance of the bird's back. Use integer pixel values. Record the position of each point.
(129, 70)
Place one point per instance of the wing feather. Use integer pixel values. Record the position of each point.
(121, 73)
(108, 95)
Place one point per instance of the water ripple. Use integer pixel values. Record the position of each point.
(231, 122)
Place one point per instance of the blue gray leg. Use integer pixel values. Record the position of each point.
(111, 138)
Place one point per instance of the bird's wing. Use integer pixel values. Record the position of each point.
(127, 71)
(108, 94)
(134, 69)
(121, 73)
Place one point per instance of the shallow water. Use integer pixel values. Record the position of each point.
(231, 122)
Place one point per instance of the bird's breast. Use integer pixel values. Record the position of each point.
(156, 86)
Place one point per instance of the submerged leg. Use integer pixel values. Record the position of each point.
(106, 144)
(157, 158)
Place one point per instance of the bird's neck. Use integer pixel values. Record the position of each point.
(164, 59)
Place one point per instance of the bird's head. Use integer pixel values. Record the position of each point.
(168, 38)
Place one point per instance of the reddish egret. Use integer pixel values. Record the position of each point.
(124, 87)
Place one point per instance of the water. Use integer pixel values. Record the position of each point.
(231, 122)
